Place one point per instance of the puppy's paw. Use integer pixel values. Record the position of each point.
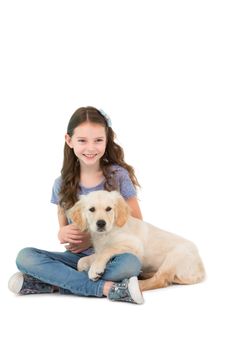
(83, 264)
(96, 271)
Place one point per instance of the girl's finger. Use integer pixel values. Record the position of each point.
(76, 250)
(72, 235)
(75, 241)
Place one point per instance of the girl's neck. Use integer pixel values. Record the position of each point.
(90, 176)
(89, 170)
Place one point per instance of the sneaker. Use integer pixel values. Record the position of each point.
(23, 284)
(127, 290)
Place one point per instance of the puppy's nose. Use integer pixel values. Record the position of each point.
(101, 223)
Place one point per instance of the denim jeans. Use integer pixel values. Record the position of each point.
(60, 269)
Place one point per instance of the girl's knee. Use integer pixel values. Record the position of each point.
(122, 266)
(130, 263)
(24, 258)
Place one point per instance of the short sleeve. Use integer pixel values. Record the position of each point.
(55, 191)
(126, 186)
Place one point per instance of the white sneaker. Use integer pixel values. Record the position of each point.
(16, 282)
(127, 290)
(23, 284)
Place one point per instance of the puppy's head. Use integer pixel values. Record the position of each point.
(100, 211)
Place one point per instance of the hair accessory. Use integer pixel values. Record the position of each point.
(106, 117)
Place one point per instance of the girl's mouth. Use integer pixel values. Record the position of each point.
(90, 156)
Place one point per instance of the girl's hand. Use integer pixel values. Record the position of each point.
(77, 248)
(77, 240)
(69, 234)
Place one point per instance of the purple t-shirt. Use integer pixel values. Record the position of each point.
(123, 183)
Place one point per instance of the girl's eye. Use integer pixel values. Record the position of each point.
(99, 140)
(108, 209)
(81, 141)
(92, 209)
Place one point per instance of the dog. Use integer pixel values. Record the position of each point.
(166, 258)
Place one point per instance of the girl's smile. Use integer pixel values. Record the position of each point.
(90, 156)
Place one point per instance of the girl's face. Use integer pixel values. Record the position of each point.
(88, 142)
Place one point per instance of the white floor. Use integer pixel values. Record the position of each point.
(182, 317)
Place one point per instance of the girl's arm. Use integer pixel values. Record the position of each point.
(62, 219)
(134, 206)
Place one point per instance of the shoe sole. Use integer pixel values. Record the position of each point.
(16, 282)
(134, 290)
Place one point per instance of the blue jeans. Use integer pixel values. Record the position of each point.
(60, 269)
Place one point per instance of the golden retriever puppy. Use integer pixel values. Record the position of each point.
(166, 258)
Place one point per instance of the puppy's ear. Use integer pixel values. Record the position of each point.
(76, 214)
(122, 211)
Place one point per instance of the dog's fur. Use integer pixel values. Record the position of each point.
(166, 258)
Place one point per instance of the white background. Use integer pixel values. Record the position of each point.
(163, 71)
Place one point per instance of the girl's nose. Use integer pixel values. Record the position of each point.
(90, 146)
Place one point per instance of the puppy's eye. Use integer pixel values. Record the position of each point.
(108, 209)
(92, 209)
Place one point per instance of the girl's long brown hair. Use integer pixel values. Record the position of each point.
(114, 154)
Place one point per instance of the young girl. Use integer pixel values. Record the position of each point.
(92, 161)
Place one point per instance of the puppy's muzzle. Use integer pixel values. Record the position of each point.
(101, 224)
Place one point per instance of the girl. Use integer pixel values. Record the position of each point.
(92, 161)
